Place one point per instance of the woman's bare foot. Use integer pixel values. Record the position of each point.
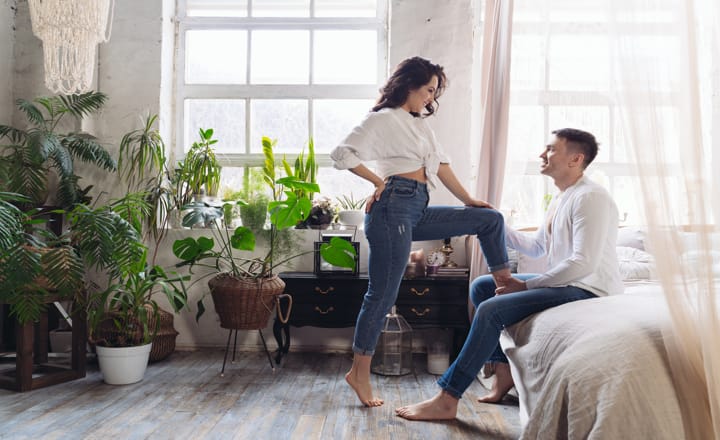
(441, 407)
(503, 383)
(359, 380)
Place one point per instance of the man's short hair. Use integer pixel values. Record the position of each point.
(580, 142)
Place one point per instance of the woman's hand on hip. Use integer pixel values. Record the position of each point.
(374, 197)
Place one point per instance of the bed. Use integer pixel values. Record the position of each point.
(598, 368)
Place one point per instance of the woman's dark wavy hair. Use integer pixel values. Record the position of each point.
(409, 75)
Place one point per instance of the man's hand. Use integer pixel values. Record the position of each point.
(513, 285)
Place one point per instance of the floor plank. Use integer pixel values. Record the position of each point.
(184, 397)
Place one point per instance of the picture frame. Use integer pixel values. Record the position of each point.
(323, 268)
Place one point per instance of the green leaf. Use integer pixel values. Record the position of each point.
(243, 239)
(188, 248)
(339, 252)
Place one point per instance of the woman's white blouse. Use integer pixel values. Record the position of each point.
(398, 141)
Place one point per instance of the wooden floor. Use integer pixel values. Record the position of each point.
(183, 397)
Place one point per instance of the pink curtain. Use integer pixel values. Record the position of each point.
(494, 104)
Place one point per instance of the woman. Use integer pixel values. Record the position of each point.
(409, 162)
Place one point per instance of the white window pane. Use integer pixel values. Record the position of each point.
(577, 12)
(334, 183)
(217, 8)
(215, 56)
(344, 8)
(336, 63)
(528, 59)
(232, 180)
(522, 200)
(528, 137)
(579, 62)
(280, 57)
(334, 118)
(281, 8)
(650, 50)
(626, 191)
(225, 116)
(595, 119)
(283, 119)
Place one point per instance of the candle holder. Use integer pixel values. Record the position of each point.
(447, 249)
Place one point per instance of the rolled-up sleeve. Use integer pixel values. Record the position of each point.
(359, 146)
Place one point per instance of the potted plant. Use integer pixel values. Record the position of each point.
(32, 153)
(322, 213)
(200, 169)
(125, 317)
(350, 212)
(245, 289)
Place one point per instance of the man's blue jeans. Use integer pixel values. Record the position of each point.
(399, 217)
(492, 314)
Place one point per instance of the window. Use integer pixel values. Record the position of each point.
(561, 76)
(292, 70)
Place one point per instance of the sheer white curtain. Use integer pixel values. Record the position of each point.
(491, 131)
(666, 90)
(644, 77)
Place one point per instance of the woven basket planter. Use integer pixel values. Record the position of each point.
(245, 303)
(163, 344)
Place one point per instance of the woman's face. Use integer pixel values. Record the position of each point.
(419, 98)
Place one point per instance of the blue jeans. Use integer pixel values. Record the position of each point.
(399, 217)
(492, 315)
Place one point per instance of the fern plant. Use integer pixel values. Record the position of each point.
(37, 265)
(29, 154)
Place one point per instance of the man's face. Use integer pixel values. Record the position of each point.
(556, 159)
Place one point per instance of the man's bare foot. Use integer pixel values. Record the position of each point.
(441, 407)
(363, 389)
(503, 383)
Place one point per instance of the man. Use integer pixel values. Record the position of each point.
(577, 237)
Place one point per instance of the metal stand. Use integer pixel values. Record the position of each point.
(227, 347)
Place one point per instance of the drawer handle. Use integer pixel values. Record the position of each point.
(324, 292)
(414, 291)
(423, 313)
(320, 311)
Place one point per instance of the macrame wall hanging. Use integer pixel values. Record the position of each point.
(70, 31)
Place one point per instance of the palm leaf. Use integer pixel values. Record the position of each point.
(64, 269)
(83, 104)
(31, 111)
(16, 136)
(87, 149)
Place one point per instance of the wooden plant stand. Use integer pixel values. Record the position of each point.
(32, 366)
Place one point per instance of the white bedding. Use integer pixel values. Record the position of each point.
(596, 369)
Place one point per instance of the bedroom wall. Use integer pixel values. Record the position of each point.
(130, 71)
(7, 40)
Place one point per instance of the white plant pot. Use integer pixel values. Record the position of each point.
(123, 365)
(355, 218)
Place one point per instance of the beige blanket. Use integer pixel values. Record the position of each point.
(595, 369)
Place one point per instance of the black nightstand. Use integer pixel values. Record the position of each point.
(334, 301)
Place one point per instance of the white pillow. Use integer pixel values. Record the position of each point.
(635, 264)
(631, 237)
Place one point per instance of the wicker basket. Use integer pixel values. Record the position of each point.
(164, 340)
(245, 304)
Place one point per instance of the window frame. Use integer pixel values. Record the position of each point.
(308, 92)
